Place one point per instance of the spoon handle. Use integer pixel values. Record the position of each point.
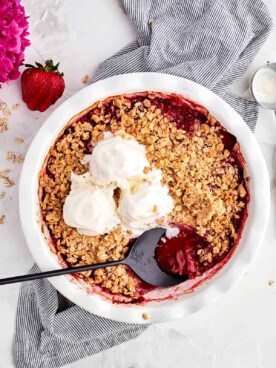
(63, 271)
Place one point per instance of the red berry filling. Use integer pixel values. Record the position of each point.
(179, 255)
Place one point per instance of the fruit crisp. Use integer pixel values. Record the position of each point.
(201, 164)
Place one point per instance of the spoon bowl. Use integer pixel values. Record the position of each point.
(141, 259)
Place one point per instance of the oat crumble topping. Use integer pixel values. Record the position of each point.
(200, 169)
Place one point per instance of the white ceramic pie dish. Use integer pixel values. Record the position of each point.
(258, 210)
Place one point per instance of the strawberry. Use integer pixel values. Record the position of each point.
(41, 85)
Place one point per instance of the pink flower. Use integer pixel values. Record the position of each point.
(13, 41)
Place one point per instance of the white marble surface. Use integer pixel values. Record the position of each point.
(238, 331)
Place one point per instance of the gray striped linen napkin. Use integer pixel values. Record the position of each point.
(209, 41)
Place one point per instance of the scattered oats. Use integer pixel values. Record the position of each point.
(8, 182)
(86, 79)
(3, 124)
(271, 282)
(6, 111)
(15, 106)
(19, 140)
(2, 219)
(15, 158)
(5, 177)
(11, 157)
(20, 159)
(146, 316)
(2, 195)
(5, 172)
(3, 105)
(150, 21)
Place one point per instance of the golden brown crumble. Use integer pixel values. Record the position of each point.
(2, 219)
(198, 169)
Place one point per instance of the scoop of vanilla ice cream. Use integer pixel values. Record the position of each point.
(117, 162)
(142, 205)
(115, 159)
(90, 209)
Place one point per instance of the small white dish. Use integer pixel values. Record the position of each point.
(263, 86)
(258, 210)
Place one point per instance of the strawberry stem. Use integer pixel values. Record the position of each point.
(48, 68)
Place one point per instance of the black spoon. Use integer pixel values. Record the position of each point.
(141, 259)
